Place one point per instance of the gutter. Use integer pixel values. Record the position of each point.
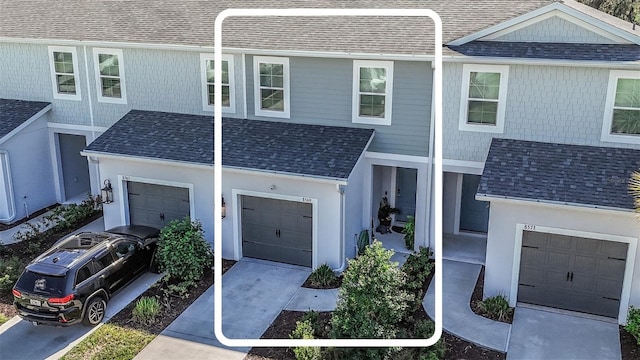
(10, 196)
(343, 265)
(431, 164)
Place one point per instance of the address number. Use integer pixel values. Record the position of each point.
(529, 227)
(306, 200)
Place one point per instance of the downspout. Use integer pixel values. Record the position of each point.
(91, 117)
(430, 167)
(343, 265)
(10, 196)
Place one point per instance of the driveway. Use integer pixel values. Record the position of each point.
(538, 334)
(253, 294)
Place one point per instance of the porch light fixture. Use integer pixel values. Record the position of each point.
(223, 211)
(107, 192)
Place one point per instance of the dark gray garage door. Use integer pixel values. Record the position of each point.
(572, 273)
(156, 205)
(277, 230)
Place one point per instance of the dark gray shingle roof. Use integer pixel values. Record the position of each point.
(572, 174)
(310, 150)
(15, 112)
(564, 51)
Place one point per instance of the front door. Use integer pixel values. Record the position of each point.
(406, 181)
(474, 214)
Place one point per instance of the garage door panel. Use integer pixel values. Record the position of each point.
(271, 252)
(532, 276)
(156, 205)
(555, 279)
(532, 256)
(615, 250)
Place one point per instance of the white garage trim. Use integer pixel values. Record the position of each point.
(237, 221)
(629, 265)
(124, 199)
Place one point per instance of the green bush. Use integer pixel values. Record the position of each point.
(423, 329)
(146, 310)
(496, 308)
(304, 330)
(323, 276)
(183, 253)
(633, 323)
(10, 270)
(409, 232)
(371, 302)
(70, 216)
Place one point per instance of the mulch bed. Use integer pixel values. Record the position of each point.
(171, 309)
(332, 285)
(476, 297)
(628, 346)
(4, 227)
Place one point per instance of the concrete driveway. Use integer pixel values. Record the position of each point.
(538, 334)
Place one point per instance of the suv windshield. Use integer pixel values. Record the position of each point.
(41, 284)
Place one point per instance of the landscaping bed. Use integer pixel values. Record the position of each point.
(628, 345)
(476, 303)
(4, 227)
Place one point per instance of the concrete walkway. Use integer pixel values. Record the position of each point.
(7, 236)
(313, 299)
(459, 280)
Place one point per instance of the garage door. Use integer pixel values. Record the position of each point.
(156, 205)
(572, 273)
(277, 230)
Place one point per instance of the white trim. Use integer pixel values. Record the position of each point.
(244, 86)
(397, 157)
(463, 124)
(541, 11)
(124, 200)
(557, 205)
(237, 221)
(101, 155)
(5, 173)
(564, 16)
(96, 66)
(204, 57)
(463, 166)
(257, 103)
(72, 127)
(26, 123)
(388, 92)
(629, 262)
(76, 77)
(607, 136)
(297, 177)
(541, 62)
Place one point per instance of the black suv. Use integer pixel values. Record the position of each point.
(74, 279)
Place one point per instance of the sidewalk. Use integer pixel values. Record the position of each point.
(6, 236)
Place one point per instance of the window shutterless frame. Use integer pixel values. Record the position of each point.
(372, 92)
(271, 90)
(206, 69)
(110, 79)
(621, 98)
(478, 90)
(63, 61)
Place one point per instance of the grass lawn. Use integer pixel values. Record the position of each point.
(3, 319)
(111, 342)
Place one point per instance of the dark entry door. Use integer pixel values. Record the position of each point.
(406, 183)
(474, 214)
(75, 168)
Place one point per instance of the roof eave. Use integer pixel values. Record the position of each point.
(26, 123)
(489, 197)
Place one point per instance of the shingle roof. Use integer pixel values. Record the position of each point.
(187, 22)
(534, 50)
(14, 113)
(559, 173)
(310, 150)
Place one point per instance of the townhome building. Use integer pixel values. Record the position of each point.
(327, 118)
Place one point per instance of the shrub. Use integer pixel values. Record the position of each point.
(304, 330)
(371, 301)
(633, 323)
(31, 234)
(409, 232)
(70, 216)
(423, 329)
(323, 276)
(10, 270)
(496, 308)
(146, 310)
(182, 252)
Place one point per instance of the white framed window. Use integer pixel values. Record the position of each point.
(372, 92)
(271, 86)
(622, 108)
(208, 80)
(63, 61)
(110, 81)
(483, 98)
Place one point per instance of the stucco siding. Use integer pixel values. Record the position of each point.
(321, 93)
(555, 29)
(544, 103)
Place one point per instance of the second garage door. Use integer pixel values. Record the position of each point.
(156, 205)
(277, 230)
(572, 273)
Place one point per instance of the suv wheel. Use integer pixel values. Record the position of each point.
(94, 313)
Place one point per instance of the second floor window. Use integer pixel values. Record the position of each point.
(64, 69)
(622, 108)
(208, 81)
(110, 75)
(372, 87)
(484, 89)
(271, 86)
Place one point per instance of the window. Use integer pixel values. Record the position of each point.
(103, 261)
(83, 274)
(271, 86)
(208, 79)
(622, 108)
(64, 70)
(372, 92)
(110, 75)
(483, 100)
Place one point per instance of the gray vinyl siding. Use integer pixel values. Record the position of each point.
(544, 103)
(555, 29)
(25, 74)
(321, 93)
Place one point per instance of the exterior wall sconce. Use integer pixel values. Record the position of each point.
(107, 192)
(223, 211)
